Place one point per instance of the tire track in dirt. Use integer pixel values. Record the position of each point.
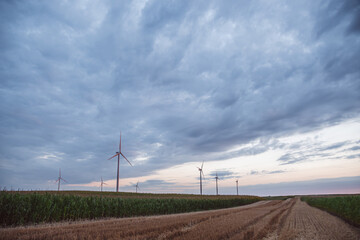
(192, 222)
(277, 221)
(262, 225)
(214, 228)
(305, 222)
(182, 234)
(187, 225)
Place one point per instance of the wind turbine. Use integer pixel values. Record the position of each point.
(201, 173)
(237, 187)
(217, 189)
(118, 155)
(102, 183)
(137, 186)
(59, 179)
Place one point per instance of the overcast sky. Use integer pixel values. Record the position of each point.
(267, 92)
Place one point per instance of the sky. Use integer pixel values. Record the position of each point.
(263, 92)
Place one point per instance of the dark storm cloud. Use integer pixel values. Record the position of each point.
(183, 80)
(334, 13)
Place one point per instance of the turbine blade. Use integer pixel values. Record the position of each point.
(203, 174)
(120, 143)
(64, 180)
(114, 156)
(126, 159)
(202, 165)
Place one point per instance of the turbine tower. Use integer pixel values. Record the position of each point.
(201, 173)
(59, 179)
(118, 155)
(237, 187)
(217, 189)
(137, 186)
(102, 183)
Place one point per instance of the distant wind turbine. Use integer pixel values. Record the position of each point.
(137, 186)
(102, 183)
(59, 179)
(217, 189)
(201, 175)
(237, 187)
(118, 155)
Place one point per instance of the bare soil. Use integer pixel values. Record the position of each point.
(289, 219)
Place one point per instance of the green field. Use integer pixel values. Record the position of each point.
(22, 208)
(345, 207)
(130, 194)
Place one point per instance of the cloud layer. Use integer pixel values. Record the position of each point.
(184, 81)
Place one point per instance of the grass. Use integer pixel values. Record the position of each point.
(345, 207)
(23, 208)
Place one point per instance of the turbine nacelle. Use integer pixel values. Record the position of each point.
(201, 172)
(201, 169)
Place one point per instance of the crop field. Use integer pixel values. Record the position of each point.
(346, 207)
(133, 195)
(268, 219)
(22, 208)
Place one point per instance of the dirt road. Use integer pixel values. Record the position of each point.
(290, 219)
